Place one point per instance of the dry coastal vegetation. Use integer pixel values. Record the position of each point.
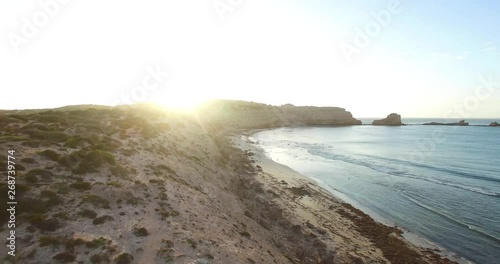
(136, 184)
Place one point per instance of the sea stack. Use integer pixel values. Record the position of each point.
(494, 124)
(391, 120)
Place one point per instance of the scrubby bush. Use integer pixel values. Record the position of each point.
(192, 243)
(31, 178)
(48, 194)
(82, 186)
(119, 171)
(97, 258)
(77, 141)
(245, 234)
(37, 126)
(115, 184)
(101, 220)
(124, 258)
(129, 152)
(51, 136)
(93, 160)
(45, 174)
(88, 213)
(62, 215)
(11, 138)
(28, 160)
(50, 154)
(140, 232)
(131, 199)
(37, 206)
(50, 225)
(72, 243)
(96, 201)
(50, 118)
(96, 242)
(61, 188)
(49, 240)
(165, 168)
(31, 143)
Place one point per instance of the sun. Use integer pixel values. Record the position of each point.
(181, 103)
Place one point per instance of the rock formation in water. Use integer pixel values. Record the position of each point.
(495, 124)
(391, 120)
(460, 123)
(241, 114)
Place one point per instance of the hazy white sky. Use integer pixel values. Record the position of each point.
(423, 60)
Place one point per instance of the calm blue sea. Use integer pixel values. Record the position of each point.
(439, 182)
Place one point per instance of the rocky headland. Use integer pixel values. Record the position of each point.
(494, 124)
(391, 120)
(250, 115)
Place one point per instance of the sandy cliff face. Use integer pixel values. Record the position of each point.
(254, 115)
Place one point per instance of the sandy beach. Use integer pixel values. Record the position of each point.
(353, 235)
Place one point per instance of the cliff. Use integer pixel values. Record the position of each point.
(391, 120)
(249, 115)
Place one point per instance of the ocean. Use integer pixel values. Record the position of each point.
(441, 183)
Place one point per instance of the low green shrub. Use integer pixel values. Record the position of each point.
(81, 186)
(28, 160)
(45, 174)
(103, 219)
(44, 224)
(76, 142)
(72, 243)
(62, 215)
(48, 194)
(140, 232)
(98, 242)
(49, 240)
(64, 257)
(51, 136)
(50, 154)
(93, 160)
(31, 178)
(124, 258)
(245, 234)
(97, 258)
(115, 184)
(31, 143)
(96, 201)
(88, 213)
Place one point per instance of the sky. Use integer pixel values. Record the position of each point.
(424, 58)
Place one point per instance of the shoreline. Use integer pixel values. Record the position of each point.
(350, 244)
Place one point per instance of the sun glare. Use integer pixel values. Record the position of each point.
(184, 103)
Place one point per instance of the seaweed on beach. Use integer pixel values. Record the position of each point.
(388, 239)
